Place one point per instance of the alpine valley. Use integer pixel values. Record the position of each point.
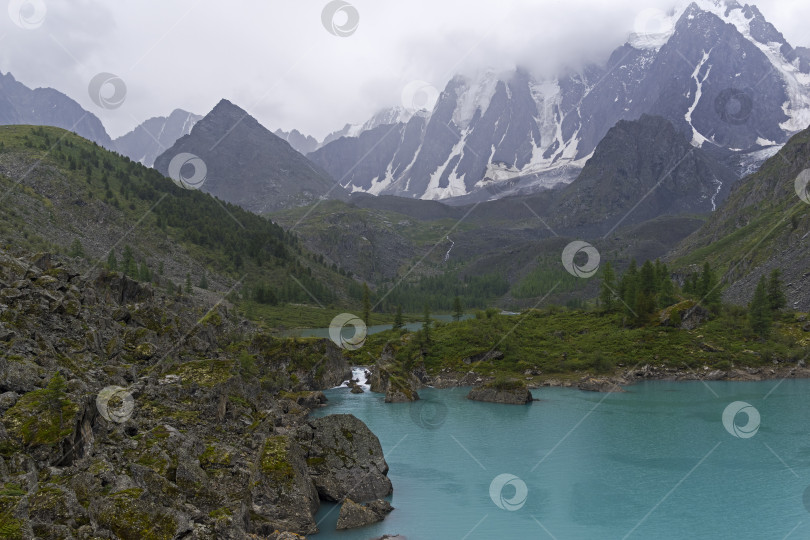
(203, 319)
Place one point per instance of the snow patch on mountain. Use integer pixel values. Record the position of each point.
(474, 96)
(392, 115)
(653, 29)
(697, 138)
(797, 108)
(455, 184)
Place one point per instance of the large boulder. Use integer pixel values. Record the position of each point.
(510, 393)
(687, 315)
(345, 459)
(400, 391)
(282, 495)
(353, 515)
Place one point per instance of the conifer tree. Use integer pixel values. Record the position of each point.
(707, 288)
(426, 324)
(776, 294)
(759, 312)
(458, 311)
(398, 324)
(629, 289)
(112, 262)
(607, 295)
(128, 265)
(366, 305)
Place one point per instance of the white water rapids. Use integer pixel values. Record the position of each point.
(359, 375)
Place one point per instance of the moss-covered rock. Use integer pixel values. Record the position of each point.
(510, 392)
(205, 373)
(43, 417)
(345, 459)
(282, 494)
(130, 516)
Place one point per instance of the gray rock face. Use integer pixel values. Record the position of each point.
(509, 396)
(397, 389)
(345, 459)
(207, 450)
(281, 490)
(153, 137)
(493, 136)
(48, 107)
(302, 143)
(353, 515)
(647, 155)
(249, 166)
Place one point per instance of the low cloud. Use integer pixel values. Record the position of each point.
(279, 62)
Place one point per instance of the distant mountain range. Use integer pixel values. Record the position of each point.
(150, 139)
(722, 75)
(20, 104)
(47, 107)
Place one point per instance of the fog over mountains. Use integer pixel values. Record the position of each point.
(723, 75)
(719, 72)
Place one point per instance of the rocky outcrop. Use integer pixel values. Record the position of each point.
(483, 357)
(400, 392)
(599, 384)
(126, 413)
(353, 515)
(282, 495)
(687, 315)
(513, 393)
(387, 379)
(345, 459)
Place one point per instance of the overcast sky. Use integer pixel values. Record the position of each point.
(277, 60)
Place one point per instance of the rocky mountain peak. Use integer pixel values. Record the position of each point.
(248, 165)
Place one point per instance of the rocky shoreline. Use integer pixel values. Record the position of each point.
(626, 377)
(129, 413)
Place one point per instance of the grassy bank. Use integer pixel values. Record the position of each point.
(562, 342)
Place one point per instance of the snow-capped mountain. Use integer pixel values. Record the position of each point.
(720, 72)
(154, 136)
(386, 117)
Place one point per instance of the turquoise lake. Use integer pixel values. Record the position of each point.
(654, 463)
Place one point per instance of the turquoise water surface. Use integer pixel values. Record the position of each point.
(656, 462)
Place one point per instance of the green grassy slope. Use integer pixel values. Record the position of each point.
(62, 193)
